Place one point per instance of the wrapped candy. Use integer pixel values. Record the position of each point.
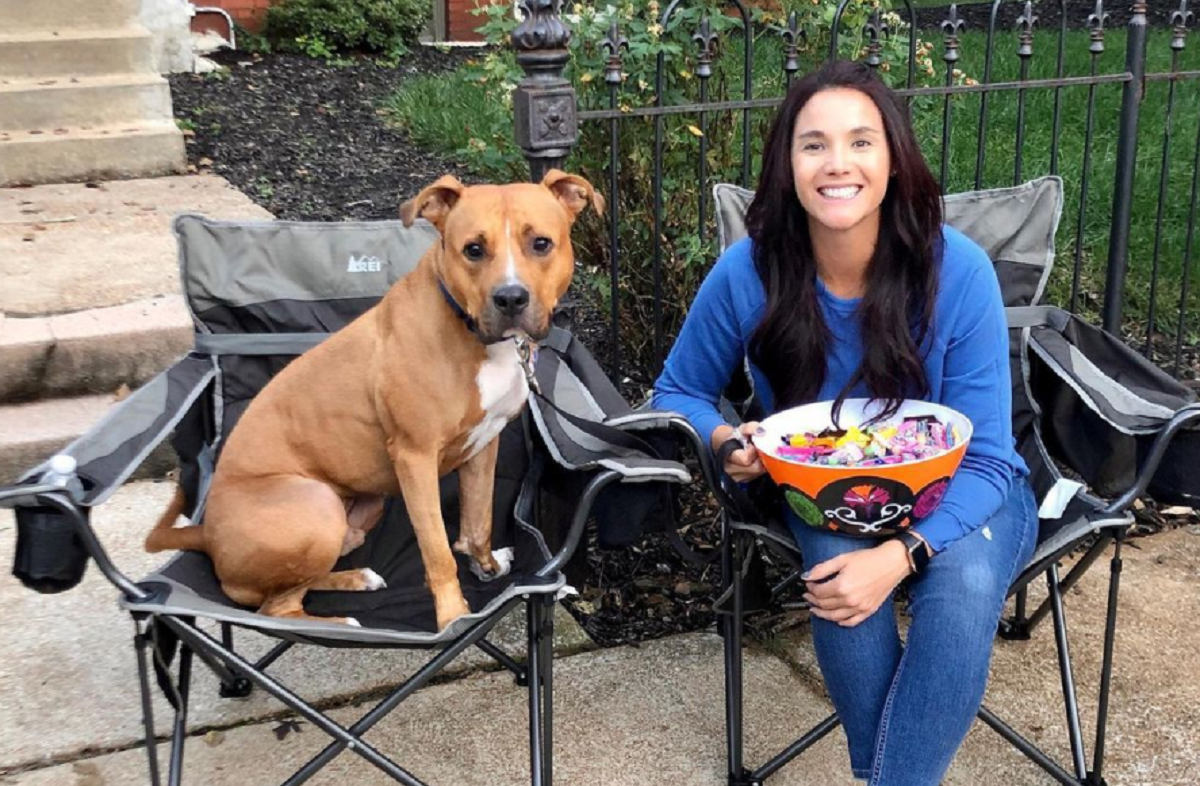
(873, 445)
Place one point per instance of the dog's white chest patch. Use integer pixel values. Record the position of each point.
(502, 392)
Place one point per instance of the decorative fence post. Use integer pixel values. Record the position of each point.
(544, 102)
(1127, 144)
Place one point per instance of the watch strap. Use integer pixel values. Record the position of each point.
(918, 553)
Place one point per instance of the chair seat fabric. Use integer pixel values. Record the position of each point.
(402, 612)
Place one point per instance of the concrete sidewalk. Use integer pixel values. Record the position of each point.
(69, 710)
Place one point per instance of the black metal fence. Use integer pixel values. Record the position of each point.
(1105, 107)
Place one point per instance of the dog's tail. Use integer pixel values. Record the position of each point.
(166, 535)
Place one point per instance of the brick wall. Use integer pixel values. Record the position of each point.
(461, 22)
(250, 14)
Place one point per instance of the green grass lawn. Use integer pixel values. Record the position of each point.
(443, 112)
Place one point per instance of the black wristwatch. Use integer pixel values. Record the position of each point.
(918, 552)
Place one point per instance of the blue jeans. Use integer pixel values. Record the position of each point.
(906, 709)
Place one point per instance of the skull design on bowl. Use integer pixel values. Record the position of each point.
(866, 506)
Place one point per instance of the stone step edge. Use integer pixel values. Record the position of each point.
(113, 79)
(91, 351)
(136, 32)
(31, 433)
(69, 133)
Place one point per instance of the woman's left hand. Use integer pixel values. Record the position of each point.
(862, 581)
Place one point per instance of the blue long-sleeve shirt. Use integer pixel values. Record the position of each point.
(966, 363)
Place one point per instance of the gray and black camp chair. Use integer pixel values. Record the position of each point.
(1096, 422)
(260, 294)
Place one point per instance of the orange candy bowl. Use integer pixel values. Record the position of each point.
(864, 501)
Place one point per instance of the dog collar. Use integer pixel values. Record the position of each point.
(526, 349)
(458, 310)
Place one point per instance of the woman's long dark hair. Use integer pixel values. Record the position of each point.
(901, 281)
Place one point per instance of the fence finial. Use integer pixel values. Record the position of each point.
(1180, 19)
(544, 102)
(1095, 22)
(877, 29)
(1025, 25)
(791, 37)
(614, 42)
(951, 27)
(706, 43)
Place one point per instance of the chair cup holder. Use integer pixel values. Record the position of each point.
(51, 556)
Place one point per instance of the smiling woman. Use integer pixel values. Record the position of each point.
(841, 166)
(849, 286)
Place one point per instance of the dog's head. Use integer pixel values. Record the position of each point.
(506, 250)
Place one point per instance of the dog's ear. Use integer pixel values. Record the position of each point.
(433, 203)
(573, 191)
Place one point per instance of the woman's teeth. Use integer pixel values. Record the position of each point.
(847, 192)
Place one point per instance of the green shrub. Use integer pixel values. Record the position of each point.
(321, 28)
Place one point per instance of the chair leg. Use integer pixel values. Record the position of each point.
(548, 691)
(1017, 627)
(731, 561)
(1064, 666)
(534, 613)
(233, 685)
(141, 641)
(179, 733)
(1096, 776)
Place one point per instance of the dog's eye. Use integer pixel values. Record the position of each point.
(542, 245)
(473, 251)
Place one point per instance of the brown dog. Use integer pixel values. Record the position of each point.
(416, 387)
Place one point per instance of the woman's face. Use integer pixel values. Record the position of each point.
(840, 161)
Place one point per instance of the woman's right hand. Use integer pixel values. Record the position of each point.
(742, 465)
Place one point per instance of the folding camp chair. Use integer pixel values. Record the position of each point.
(260, 294)
(1083, 403)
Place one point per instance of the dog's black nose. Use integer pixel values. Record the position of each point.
(511, 299)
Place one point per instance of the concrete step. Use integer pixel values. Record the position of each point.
(67, 14)
(31, 433)
(95, 351)
(43, 54)
(66, 155)
(48, 104)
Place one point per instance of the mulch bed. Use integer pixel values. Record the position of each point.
(305, 139)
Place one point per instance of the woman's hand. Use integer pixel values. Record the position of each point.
(744, 464)
(862, 581)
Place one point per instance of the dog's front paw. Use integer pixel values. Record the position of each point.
(450, 611)
(502, 560)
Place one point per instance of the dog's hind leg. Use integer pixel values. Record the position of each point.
(362, 514)
(290, 603)
(166, 535)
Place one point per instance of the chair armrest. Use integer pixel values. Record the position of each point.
(1183, 417)
(114, 447)
(622, 466)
